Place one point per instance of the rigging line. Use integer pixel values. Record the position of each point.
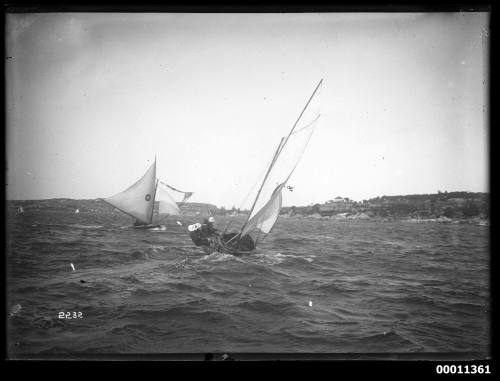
(257, 239)
(263, 182)
(300, 116)
(301, 154)
(179, 203)
(308, 125)
(231, 219)
(280, 149)
(177, 190)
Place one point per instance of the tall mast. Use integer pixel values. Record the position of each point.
(154, 196)
(303, 110)
(278, 151)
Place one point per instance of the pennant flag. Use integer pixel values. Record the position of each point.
(186, 194)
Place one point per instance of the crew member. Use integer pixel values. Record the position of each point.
(207, 228)
(197, 235)
(210, 226)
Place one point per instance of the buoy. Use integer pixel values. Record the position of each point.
(73, 267)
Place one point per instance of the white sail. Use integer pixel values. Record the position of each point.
(265, 219)
(284, 162)
(138, 200)
(166, 204)
(77, 210)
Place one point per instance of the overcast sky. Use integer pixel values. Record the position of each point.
(92, 98)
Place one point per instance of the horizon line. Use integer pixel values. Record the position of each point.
(397, 195)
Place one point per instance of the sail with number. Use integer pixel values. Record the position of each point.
(265, 209)
(146, 200)
(138, 199)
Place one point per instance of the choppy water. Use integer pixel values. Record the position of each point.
(312, 286)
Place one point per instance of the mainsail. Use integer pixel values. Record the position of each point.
(138, 200)
(265, 209)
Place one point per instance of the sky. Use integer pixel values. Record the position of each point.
(93, 97)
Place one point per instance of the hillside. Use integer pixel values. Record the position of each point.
(441, 204)
(94, 206)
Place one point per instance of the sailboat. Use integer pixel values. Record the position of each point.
(20, 209)
(77, 211)
(267, 203)
(147, 200)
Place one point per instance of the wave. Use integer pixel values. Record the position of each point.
(332, 288)
(158, 229)
(136, 279)
(275, 258)
(15, 309)
(86, 226)
(135, 329)
(131, 279)
(387, 336)
(267, 306)
(139, 255)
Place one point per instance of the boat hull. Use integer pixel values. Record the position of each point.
(147, 226)
(224, 244)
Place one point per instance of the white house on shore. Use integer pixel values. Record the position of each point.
(337, 199)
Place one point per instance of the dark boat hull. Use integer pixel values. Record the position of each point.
(224, 244)
(146, 226)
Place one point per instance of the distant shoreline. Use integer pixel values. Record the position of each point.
(442, 220)
(442, 207)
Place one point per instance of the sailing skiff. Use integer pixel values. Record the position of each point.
(147, 201)
(267, 203)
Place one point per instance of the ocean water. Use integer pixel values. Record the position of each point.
(316, 286)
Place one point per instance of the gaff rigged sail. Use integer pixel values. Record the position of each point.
(265, 209)
(138, 200)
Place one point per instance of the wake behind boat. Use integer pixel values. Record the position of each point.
(147, 201)
(267, 203)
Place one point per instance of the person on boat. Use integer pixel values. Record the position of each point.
(197, 235)
(208, 227)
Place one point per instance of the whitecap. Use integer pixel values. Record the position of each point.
(15, 309)
(86, 226)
